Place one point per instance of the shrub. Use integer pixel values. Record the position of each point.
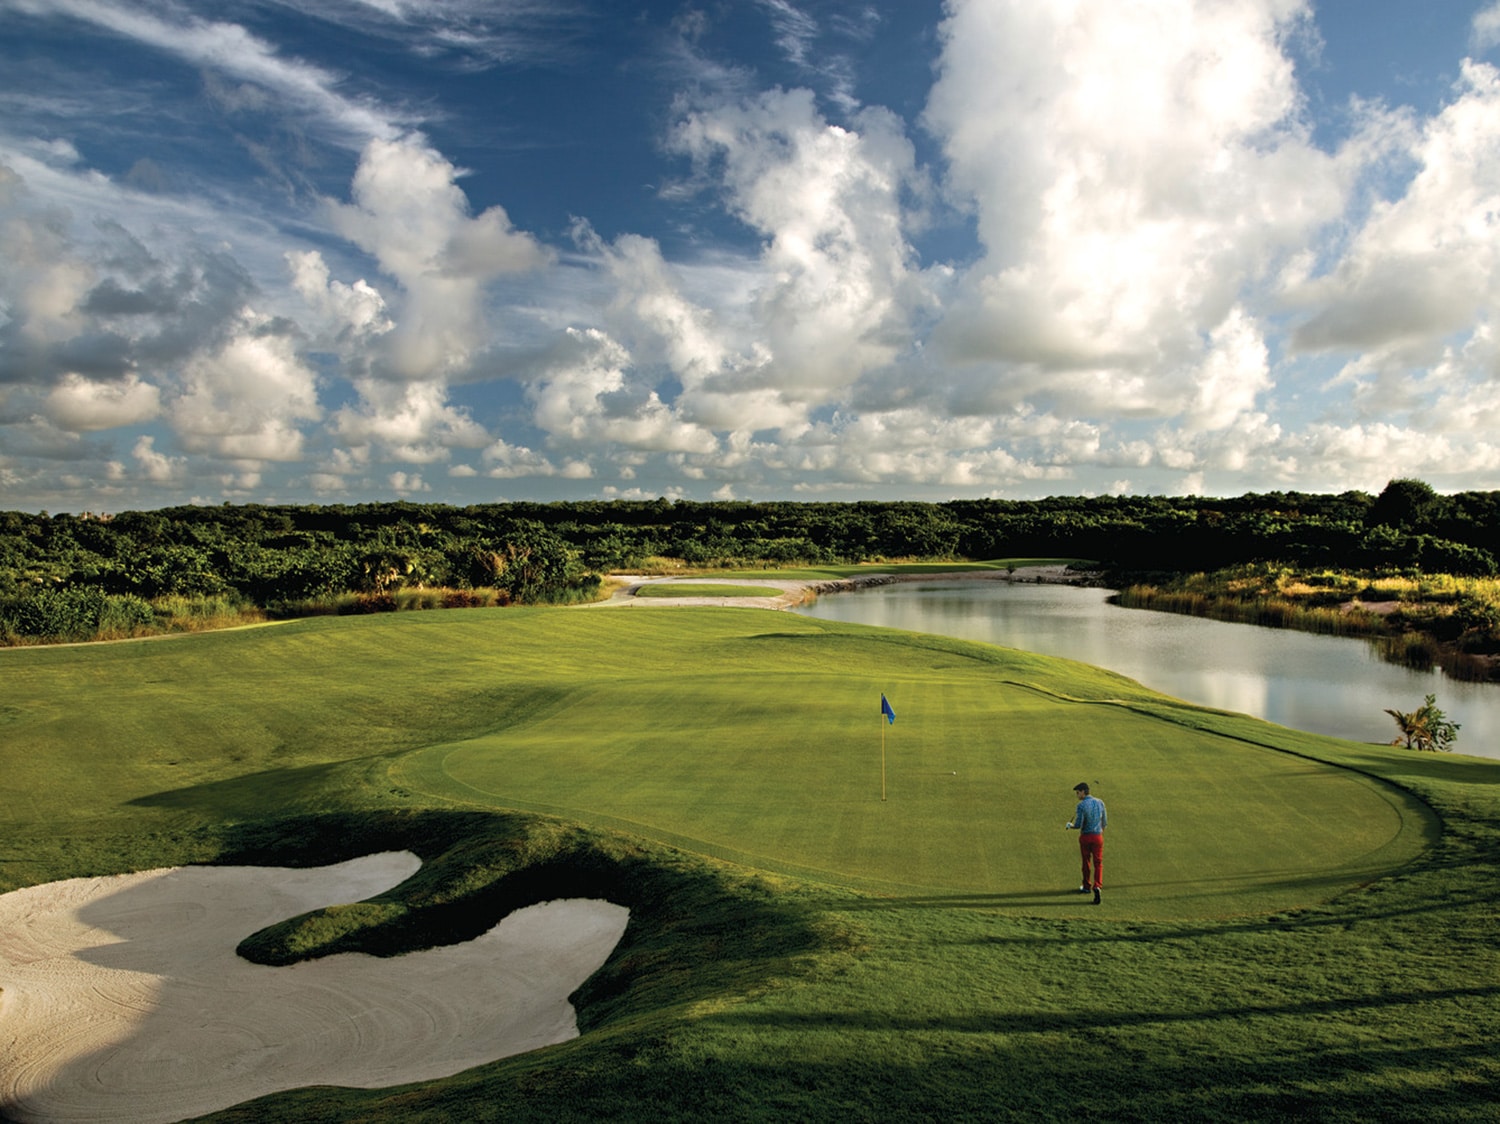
(1426, 729)
(469, 598)
(408, 599)
(125, 615)
(366, 603)
(82, 613)
(63, 614)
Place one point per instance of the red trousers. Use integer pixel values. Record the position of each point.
(1091, 847)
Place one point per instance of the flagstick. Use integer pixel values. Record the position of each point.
(882, 757)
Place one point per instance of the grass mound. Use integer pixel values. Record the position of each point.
(696, 929)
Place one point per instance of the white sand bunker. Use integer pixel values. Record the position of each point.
(123, 998)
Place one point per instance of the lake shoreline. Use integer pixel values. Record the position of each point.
(1336, 686)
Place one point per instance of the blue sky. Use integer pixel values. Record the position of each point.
(476, 250)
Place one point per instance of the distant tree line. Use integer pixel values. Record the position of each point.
(78, 567)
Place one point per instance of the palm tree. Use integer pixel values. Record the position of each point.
(1426, 729)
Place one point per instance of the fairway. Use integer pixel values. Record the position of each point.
(745, 735)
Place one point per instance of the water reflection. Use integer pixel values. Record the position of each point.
(1325, 684)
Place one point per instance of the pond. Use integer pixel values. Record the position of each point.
(1323, 684)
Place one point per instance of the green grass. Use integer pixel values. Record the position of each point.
(752, 749)
(1293, 925)
(705, 589)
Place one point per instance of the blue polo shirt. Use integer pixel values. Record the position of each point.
(1089, 817)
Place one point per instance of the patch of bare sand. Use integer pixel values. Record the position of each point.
(780, 593)
(791, 592)
(1379, 608)
(123, 999)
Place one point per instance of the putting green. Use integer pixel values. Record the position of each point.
(759, 740)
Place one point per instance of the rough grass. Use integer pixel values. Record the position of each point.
(742, 992)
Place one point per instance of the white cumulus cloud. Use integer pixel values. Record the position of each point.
(411, 215)
(412, 422)
(1485, 29)
(1423, 266)
(82, 404)
(356, 310)
(159, 468)
(1134, 168)
(837, 287)
(247, 398)
(587, 396)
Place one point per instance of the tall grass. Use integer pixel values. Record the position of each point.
(1417, 620)
(397, 601)
(1271, 612)
(202, 613)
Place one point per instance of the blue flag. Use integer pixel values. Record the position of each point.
(885, 709)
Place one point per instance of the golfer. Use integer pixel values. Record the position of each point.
(1090, 820)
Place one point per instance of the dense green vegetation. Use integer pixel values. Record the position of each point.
(78, 576)
(1293, 925)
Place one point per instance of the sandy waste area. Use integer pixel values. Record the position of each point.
(122, 998)
(788, 593)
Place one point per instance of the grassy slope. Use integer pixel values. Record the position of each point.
(965, 987)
